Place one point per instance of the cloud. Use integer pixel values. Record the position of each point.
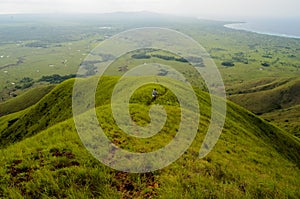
(211, 8)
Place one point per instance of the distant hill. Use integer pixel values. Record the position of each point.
(25, 100)
(275, 99)
(42, 155)
(287, 118)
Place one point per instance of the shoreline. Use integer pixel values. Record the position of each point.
(234, 27)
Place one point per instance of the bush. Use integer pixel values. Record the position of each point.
(265, 64)
(56, 79)
(164, 57)
(227, 64)
(181, 60)
(141, 56)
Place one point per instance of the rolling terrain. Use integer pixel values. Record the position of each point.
(42, 155)
(252, 158)
(276, 100)
(24, 100)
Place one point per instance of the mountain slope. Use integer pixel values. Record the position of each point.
(25, 100)
(252, 158)
(274, 99)
(51, 109)
(287, 119)
(263, 97)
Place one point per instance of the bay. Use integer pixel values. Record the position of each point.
(284, 27)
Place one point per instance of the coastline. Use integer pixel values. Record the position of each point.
(239, 26)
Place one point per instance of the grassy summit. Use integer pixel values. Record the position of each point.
(42, 155)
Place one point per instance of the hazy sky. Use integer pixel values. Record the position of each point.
(221, 9)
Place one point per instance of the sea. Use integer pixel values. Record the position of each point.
(283, 27)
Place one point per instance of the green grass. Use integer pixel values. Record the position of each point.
(24, 100)
(287, 119)
(52, 108)
(252, 158)
(269, 97)
(276, 100)
(43, 157)
(246, 50)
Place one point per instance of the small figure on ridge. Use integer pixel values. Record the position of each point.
(154, 94)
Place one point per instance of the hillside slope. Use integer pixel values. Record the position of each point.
(252, 158)
(25, 100)
(287, 119)
(51, 109)
(274, 99)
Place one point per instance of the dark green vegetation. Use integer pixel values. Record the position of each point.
(252, 158)
(42, 155)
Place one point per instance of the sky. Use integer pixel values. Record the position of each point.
(212, 9)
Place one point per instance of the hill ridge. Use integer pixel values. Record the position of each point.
(53, 161)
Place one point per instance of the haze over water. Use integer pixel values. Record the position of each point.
(288, 27)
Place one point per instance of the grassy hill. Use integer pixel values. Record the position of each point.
(287, 118)
(42, 155)
(51, 109)
(25, 100)
(275, 99)
(240, 55)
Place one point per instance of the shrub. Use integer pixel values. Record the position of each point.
(227, 63)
